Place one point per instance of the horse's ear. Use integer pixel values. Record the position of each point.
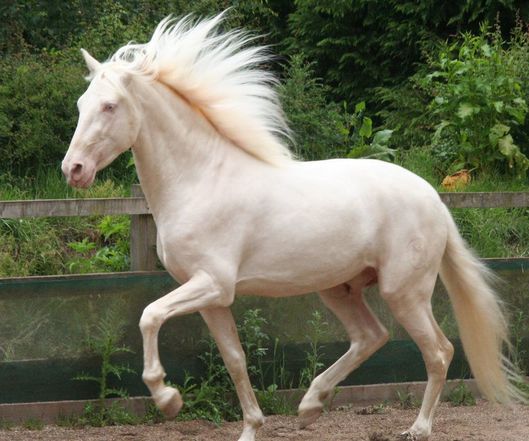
(92, 64)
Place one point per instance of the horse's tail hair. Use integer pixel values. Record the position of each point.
(483, 327)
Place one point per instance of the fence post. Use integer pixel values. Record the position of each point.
(142, 239)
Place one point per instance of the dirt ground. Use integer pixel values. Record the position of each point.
(483, 422)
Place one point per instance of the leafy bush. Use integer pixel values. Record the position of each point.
(361, 127)
(109, 255)
(403, 109)
(37, 111)
(358, 45)
(478, 98)
(321, 128)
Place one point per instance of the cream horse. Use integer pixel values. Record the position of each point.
(236, 214)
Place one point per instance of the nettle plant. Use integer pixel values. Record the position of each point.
(478, 93)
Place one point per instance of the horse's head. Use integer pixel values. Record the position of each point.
(108, 123)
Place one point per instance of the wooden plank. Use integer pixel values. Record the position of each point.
(137, 205)
(50, 411)
(143, 255)
(72, 207)
(500, 199)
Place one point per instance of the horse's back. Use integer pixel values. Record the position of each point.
(326, 221)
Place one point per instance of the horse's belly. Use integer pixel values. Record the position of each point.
(306, 273)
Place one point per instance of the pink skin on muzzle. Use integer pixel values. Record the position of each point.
(79, 174)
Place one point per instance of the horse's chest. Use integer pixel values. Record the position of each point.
(182, 251)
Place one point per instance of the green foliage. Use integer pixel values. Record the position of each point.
(255, 343)
(320, 128)
(403, 108)
(461, 395)
(324, 129)
(352, 46)
(207, 397)
(407, 400)
(96, 416)
(209, 400)
(6, 425)
(212, 397)
(113, 256)
(116, 414)
(318, 331)
(38, 246)
(37, 111)
(366, 144)
(29, 247)
(273, 403)
(364, 44)
(496, 232)
(33, 424)
(41, 75)
(479, 99)
(103, 341)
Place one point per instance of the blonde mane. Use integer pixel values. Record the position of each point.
(220, 76)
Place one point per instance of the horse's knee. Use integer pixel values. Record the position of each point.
(150, 319)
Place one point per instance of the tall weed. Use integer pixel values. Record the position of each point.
(103, 340)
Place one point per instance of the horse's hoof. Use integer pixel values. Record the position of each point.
(410, 436)
(169, 402)
(308, 415)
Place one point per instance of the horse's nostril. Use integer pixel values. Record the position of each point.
(77, 169)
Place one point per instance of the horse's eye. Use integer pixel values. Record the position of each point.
(109, 107)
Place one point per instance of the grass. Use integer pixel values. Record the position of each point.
(41, 246)
(50, 184)
(78, 245)
(33, 424)
(407, 400)
(492, 232)
(6, 424)
(420, 161)
(461, 395)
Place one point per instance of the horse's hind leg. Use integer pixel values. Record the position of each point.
(365, 332)
(414, 313)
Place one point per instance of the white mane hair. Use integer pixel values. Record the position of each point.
(216, 73)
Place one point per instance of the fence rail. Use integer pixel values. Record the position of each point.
(143, 230)
(137, 205)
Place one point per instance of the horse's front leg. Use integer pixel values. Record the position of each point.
(201, 291)
(222, 326)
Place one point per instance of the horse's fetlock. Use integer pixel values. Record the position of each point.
(153, 377)
(254, 418)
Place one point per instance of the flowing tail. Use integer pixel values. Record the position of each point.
(483, 327)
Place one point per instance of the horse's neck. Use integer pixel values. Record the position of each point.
(175, 150)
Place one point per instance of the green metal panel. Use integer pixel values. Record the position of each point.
(45, 321)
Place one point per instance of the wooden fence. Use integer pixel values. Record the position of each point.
(143, 229)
